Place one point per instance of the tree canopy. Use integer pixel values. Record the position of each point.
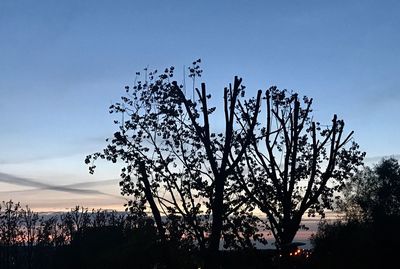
(296, 164)
(181, 163)
(203, 179)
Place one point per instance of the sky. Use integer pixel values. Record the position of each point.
(63, 63)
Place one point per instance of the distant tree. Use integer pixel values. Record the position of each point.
(296, 164)
(374, 193)
(10, 232)
(48, 231)
(369, 236)
(344, 244)
(10, 228)
(76, 220)
(29, 222)
(180, 163)
(99, 218)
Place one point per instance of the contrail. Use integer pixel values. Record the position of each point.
(27, 182)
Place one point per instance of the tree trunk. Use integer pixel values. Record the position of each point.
(212, 255)
(289, 232)
(150, 200)
(156, 215)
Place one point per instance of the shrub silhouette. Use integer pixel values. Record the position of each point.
(369, 238)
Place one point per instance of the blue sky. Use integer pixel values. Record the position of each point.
(62, 63)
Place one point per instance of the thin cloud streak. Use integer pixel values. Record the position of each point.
(72, 188)
(89, 184)
(88, 143)
(36, 158)
(377, 159)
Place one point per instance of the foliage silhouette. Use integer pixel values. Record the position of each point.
(296, 164)
(369, 236)
(207, 182)
(181, 164)
(77, 239)
(374, 193)
(107, 240)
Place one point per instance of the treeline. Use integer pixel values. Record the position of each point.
(20, 226)
(83, 238)
(80, 238)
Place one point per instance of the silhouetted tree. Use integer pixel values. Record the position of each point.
(373, 199)
(296, 164)
(344, 244)
(99, 218)
(368, 237)
(76, 220)
(10, 229)
(47, 232)
(10, 232)
(184, 165)
(77, 239)
(375, 192)
(29, 222)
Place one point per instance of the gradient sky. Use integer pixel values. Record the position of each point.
(62, 63)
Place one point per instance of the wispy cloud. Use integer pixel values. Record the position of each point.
(90, 184)
(24, 160)
(377, 159)
(72, 188)
(36, 158)
(384, 96)
(77, 147)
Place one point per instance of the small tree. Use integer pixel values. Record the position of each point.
(29, 221)
(295, 164)
(10, 231)
(48, 232)
(10, 220)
